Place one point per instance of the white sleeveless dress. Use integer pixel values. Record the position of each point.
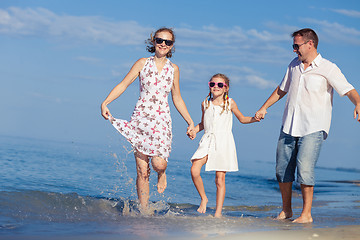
(218, 141)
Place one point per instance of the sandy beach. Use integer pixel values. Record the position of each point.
(337, 233)
(342, 232)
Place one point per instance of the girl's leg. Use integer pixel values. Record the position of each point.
(159, 165)
(220, 192)
(195, 175)
(142, 179)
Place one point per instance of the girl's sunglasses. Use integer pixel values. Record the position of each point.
(160, 41)
(219, 84)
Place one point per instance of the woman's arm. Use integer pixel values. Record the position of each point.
(178, 101)
(122, 86)
(200, 126)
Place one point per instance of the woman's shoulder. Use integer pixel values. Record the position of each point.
(176, 67)
(142, 60)
(140, 63)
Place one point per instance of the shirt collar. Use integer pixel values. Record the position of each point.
(317, 60)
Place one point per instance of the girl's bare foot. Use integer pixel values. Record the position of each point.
(284, 215)
(162, 183)
(202, 207)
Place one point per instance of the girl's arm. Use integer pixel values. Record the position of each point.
(122, 86)
(178, 101)
(240, 116)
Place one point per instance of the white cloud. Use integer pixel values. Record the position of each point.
(334, 31)
(200, 73)
(346, 12)
(41, 22)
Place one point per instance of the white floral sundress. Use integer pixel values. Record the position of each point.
(149, 130)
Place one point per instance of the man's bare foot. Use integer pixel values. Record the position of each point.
(202, 207)
(218, 215)
(162, 183)
(284, 215)
(303, 219)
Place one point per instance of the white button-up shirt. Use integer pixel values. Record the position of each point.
(310, 96)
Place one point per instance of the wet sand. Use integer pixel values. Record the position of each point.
(341, 232)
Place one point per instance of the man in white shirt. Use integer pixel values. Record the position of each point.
(309, 82)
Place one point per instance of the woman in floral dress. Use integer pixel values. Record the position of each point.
(149, 130)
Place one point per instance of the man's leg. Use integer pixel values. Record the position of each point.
(286, 193)
(285, 171)
(309, 150)
(307, 193)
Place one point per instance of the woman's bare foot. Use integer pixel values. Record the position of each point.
(202, 207)
(162, 183)
(284, 215)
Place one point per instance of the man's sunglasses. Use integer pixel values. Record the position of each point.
(160, 41)
(219, 84)
(297, 46)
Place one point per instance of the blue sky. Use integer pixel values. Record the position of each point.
(59, 59)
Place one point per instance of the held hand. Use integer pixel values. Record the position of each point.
(191, 131)
(259, 115)
(357, 113)
(105, 112)
(191, 135)
(254, 119)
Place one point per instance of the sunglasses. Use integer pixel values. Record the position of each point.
(219, 84)
(160, 41)
(297, 46)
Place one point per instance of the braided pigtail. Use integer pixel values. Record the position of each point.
(225, 105)
(207, 100)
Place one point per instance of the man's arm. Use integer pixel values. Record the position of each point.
(274, 97)
(354, 97)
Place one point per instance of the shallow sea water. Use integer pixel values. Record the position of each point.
(68, 189)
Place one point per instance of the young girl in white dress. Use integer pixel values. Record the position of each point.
(217, 147)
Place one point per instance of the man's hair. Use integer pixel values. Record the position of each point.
(308, 34)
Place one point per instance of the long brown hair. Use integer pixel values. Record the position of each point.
(226, 102)
(150, 41)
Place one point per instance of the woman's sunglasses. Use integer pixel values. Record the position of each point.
(219, 84)
(160, 41)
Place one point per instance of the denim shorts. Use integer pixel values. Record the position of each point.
(298, 152)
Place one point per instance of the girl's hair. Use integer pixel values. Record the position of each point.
(226, 102)
(150, 41)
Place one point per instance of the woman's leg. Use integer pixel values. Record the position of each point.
(220, 192)
(142, 179)
(195, 175)
(159, 165)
